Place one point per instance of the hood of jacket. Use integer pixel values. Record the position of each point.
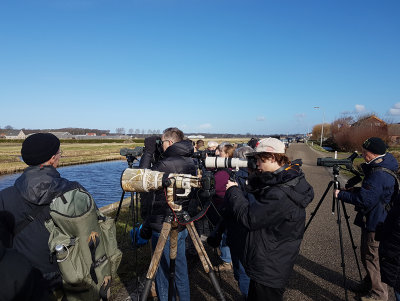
(289, 178)
(387, 161)
(40, 185)
(182, 148)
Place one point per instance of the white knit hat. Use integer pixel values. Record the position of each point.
(269, 145)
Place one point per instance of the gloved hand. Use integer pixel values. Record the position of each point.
(150, 144)
(137, 238)
(145, 232)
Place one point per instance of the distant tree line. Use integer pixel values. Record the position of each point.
(348, 133)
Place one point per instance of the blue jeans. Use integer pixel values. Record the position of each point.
(240, 274)
(225, 251)
(181, 287)
(397, 295)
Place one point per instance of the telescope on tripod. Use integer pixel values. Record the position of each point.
(337, 204)
(145, 180)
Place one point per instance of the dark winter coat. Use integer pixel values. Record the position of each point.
(176, 159)
(20, 281)
(376, 191)
(236, 232)
(389, 248)
(37, 186)
(275, 222)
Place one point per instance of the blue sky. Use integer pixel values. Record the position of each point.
(213, 66)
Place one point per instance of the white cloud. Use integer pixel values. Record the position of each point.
(300, 117)
(260, 118)
(395, 109)
(205, 126)
(360, 108)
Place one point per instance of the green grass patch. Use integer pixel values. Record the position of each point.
(134, 263)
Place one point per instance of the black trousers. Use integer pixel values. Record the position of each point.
(259, 292)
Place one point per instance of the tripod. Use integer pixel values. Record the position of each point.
(336, 203)
(130, 159)
(170, 229)
(134, 207)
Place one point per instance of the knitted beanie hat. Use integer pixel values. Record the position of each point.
(375, 145)
(38, 148)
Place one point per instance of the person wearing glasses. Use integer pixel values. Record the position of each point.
(28, 201)
(176, 158)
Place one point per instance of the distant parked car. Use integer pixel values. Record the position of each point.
(299, 139)
(286, 141)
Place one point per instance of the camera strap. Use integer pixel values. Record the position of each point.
(396, 192)
(29, 218)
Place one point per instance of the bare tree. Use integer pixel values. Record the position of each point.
(8, 127)
(120, 131)
(130, 131)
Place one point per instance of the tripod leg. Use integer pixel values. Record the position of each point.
(173, 240)
(339, 221)
(119, 206)
(208, 268)
(318, 205)
(155, 260)
(351, 239)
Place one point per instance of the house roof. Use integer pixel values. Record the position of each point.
(368, 119)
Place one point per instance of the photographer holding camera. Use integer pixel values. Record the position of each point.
(275, 220)
(370, 202)
(176, 158)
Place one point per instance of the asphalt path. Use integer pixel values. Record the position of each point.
(318, 272)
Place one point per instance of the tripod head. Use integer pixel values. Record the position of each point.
(145, 180)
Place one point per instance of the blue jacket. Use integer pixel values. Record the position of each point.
(376, 191)
(389, 248)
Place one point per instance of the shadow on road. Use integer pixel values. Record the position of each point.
(313, 285)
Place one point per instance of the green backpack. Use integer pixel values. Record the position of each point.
(84, 242)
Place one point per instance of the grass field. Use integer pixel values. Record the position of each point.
(72, 153)
(75, 153)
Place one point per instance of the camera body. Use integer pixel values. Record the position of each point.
(202, 155)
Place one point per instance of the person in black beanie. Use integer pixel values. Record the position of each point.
(28, 201)
(370, 202)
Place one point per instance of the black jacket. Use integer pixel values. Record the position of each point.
(35, 187)
(389, 248)
(275, 222)
(20, 281)
(176, 159)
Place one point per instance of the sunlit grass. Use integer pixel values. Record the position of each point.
(73, 153)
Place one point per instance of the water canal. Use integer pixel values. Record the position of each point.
(101, 179)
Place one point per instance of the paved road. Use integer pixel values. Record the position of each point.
(318, 273)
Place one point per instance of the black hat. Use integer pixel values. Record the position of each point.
(38, 148)
(375, 145)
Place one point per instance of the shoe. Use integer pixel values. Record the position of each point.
(225, 266)
(370, 297)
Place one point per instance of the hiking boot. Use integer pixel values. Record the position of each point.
(370, 297)
(225, 266)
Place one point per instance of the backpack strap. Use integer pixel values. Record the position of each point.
(29, 218)
(389, 205)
